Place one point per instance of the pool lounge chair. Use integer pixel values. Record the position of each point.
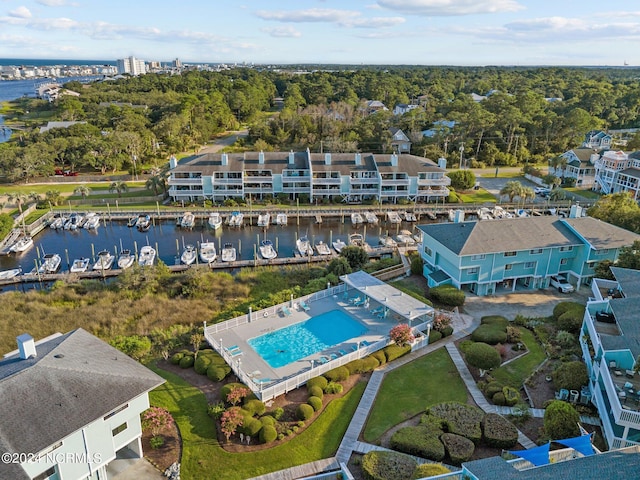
(304, 306)
(324, 359)
(376, 311)
(236, 353)
(232, 348)
(342, 352)
(286, 311)
(354, 300)
(360, 303)
(333, 356)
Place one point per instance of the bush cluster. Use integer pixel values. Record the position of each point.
(458, 448)
(379, 465)
(498, 432)
(430, 470)
(434, 336)
(570, 375)
(205, 359)
(315, 402)
(460, 418)
(393, 351)
(304, 411)
(490, 333)
(421, 440)
(320, 382)
(447, 295)
(483, 356)
(268, 434)
(316, 391)
(338, 374)
(333, 388)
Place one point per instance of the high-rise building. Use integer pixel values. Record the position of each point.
(132, 66)
(177, 64)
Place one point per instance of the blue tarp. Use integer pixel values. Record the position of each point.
(580, 444)
(537, 455)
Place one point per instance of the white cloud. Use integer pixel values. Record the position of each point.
(282, 32)
(20, 12)
(343, 18)
(450, 7)
(55, 3)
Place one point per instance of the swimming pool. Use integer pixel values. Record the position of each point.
(286, 345)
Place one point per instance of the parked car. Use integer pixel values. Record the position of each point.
(542, 191)
(561, 284)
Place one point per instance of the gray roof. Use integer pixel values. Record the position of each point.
(583, 154)
(623, 463)
(626, 311)
(504, 235)
(75, 379)
(411, 164)
(601, 235)
(630, 172)
(344, 163)
(209, 163)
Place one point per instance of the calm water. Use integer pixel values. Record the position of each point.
(168, 239)
(300, 340)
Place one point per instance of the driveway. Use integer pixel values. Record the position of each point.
(537, 303)
(222, 142)
(493, 185)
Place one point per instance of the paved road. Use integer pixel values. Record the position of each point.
(223, 142)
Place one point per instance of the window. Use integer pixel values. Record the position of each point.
(563, 261)
(530, 265)
(472, 271)
(566, 249)
(46, 452)
(119, 429)
(602, 252)
(508, 267)
(117, 410)
(478, 257)
(428, 251)
(509, 254)
(535, 251)
(46, 474)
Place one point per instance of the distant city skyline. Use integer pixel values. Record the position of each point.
(421, 32)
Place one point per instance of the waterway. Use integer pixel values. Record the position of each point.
(169, 239)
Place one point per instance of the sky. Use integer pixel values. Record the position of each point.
(415, 32)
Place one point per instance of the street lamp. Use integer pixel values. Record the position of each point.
(461, 149)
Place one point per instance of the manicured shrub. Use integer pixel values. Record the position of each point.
(462, 179)
(447, 295)
(570, 375)
(482, 356)
(490, 333)
(491, 388)
(498, 432)
(175, 358)
(216, 374)
(379, 465)
(254, 406)
(563, 307)
(370, 363)
(434, 336)
(268, 434)
(338, 374)
(447, 331)
(571, 320)
(250, 426)
(511, 396)
(395, 351)
(422, 441)
(267, 420)
(317, 382)
(202, 363)
(494, 320)
(315, 402)
(316, 391)
(460, 418)
(355, 366)
(277, 413)
(304, 411)
(333, 388)
(498, 399)
(226, 389)
(429, 470)
(186, 361)
(458, 448)
(561, 420)
(380, 356)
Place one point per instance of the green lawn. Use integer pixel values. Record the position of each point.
(97, 189)
(202, 455)
(409, 390)
(589, 194)
(410, 288)
(516, 372)
(477, 196)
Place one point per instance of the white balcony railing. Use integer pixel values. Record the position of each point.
(185, 181)
(623, 417)
(445, 181)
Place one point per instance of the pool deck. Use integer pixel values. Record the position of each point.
(253, 365)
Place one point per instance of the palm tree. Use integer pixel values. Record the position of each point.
(527, 193)
(512, 189)
(557, 194)
(118, 187)
(558, 163)
(19, 199)
(155, 183)
(82, 190)
(53, 197)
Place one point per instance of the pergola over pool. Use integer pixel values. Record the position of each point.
(389, 297)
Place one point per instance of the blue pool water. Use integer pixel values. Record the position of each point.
(285, 346)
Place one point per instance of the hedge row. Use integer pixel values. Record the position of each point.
(490, 333)
(498, 432)
(460, 418)
(458, 448)
(447, 295)
(379, 465)
(422, 440)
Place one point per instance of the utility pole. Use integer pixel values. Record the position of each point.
(461, 153)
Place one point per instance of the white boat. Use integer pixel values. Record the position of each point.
(126, 259)
(387, 241)
(143, 223)
(50, 263)
(132, 221)
(499, 212)
(188, 220)
(405, 238)
(236, 219)
(91, 221)
(189, 255)
(409, 217)
(522, 213)
(104, 261)
(304, 247)
(22, 245)
(338, 245)
(370, 218)
(323, 249)
(79, 265)
(208, 253)
(215, 220)
(356, 218)
(357, 240)
(393, 217)
(8, 274)
(147, 256)
(58, 221)
(264, 219)
(281, 219)
(228, 253)
(267, 251)
(484, 213)
(74, 222)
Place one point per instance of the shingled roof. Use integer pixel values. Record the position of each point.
(75, 379)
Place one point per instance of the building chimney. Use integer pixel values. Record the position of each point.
(358, 159)
(224, 159)
(442, 163)
(261, 158)
(292, 157)
(394, 160)
(173, 162)
(26, 346)
(327, 159)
